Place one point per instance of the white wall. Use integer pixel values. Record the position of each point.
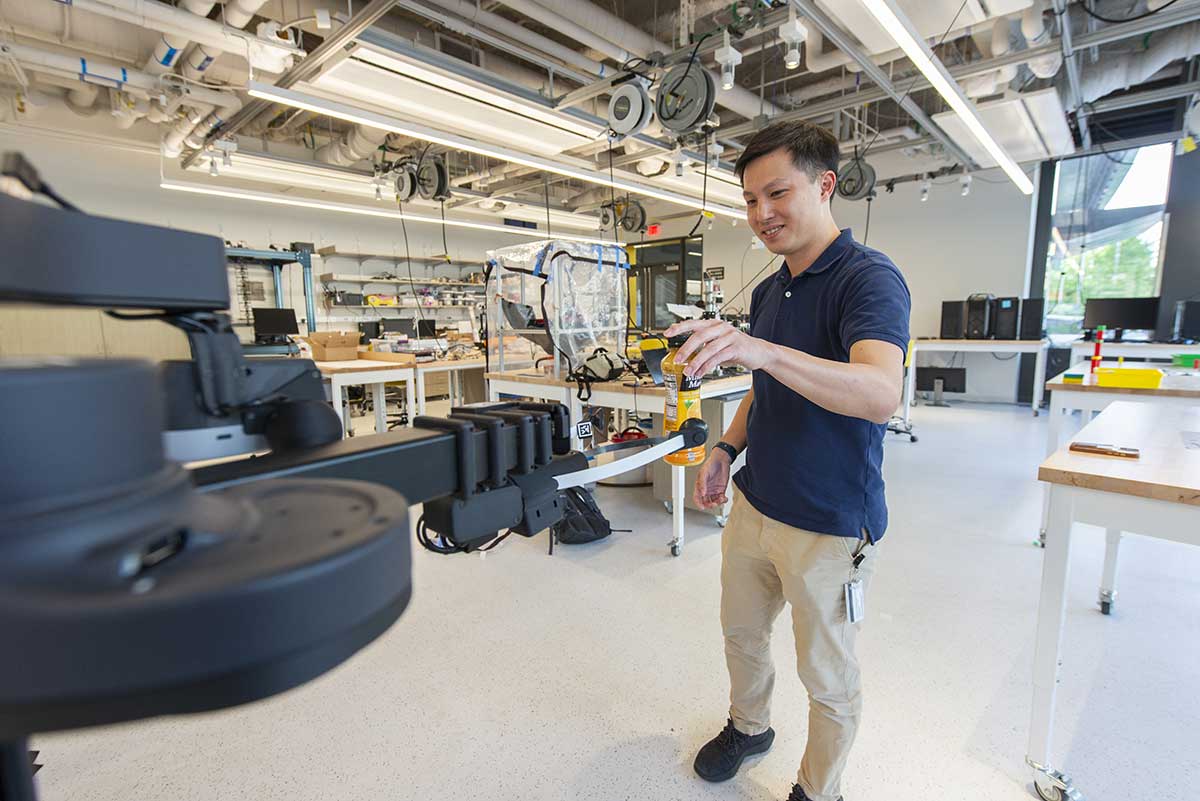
(948, 248)
(124, 183)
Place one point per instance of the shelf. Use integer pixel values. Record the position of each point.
(400, 308)
(342, 278)
(331, 253)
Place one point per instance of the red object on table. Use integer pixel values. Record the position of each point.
(1099, 342)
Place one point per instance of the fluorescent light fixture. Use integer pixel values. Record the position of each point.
(348, 208)
(893, 20)
(371, 119)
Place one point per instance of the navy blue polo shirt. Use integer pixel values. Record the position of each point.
(806, 466)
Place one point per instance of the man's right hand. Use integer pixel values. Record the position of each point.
(713, 479)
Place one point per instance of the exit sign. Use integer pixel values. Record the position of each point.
(653, 230)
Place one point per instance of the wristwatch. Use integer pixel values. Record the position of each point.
(729, 449)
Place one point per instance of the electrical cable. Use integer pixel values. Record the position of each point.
(917, 77)
(747, 283)
(703, 193)
(867, 226)
(412, 286)
(1087, 8)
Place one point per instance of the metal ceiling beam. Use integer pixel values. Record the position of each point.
(1068, 50)
(334, 44)
(1142, 98)
(847, 45)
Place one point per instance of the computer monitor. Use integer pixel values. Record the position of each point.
(400, 325)
(427, 329)
(369, 330)
(273, 325)
(1130, 314)
(953, 379)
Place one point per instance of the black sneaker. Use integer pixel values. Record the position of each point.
(798, 794)
(721, 756)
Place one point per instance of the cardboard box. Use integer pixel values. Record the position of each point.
(334, 346)
(399, 359)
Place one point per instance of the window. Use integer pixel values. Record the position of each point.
(1106, 232)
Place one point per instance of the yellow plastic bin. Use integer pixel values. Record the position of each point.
(1129, 377)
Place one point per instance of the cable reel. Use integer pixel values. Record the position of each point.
(687, 94)
(406, 181)
(433, 179)
(630, 108)
(856, 179)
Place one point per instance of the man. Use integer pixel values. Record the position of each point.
(828, 334)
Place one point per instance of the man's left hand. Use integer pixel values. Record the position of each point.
(714, 343)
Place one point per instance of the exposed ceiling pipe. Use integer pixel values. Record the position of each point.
(170, 46)
(473, 13)
(1037, 33)
(353, 146)
(589, 24)
(264, 55)
(236, 14)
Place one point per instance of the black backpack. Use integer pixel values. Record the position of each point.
(582, 520)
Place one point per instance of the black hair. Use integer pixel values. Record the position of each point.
(814, 149)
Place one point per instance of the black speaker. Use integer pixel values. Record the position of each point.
(1007, 311)
(980, 316)
(1032, 311)
(954, 323)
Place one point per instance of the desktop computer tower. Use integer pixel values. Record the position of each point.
(1032, 311)
(1007, 312)
(979, 316)
(954, 323)
(1187, 321)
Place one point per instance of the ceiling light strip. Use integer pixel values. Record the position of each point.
(888, 15)
(347, 208)
(332, 108)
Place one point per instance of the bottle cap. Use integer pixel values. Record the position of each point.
(678, 339)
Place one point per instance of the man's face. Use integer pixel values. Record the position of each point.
(783, 204)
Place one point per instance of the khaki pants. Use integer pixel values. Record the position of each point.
(764, 564)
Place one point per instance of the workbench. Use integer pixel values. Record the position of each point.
(1162, 351)
(375, 374)
(453, 368)
(916, 346)
(1156, 495)
(1181, 388)
(621, 394)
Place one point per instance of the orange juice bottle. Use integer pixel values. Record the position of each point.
(683, 402)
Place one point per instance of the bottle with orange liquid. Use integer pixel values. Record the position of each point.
(683, 402)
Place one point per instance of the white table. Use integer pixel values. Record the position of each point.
(375, 374)
(621, 394)
(1090, 398)
(1082, 351)
(1036, 346)
(1157, 495)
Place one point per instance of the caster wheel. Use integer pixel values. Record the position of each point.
(675, 550)
(912, 438)
(722, 520)
(1053, 794)
(669, 506)
(1106, 607)
(1036, 413)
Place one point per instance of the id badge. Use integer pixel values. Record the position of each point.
(855, 607)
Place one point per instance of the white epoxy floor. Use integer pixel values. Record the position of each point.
(597, 673)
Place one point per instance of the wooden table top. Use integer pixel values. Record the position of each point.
(709, 388)
(1172, 386)
(1032, 343)
(451, 364)
(1168, 470)
(358, 366)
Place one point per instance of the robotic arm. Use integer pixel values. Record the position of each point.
(131, 587)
